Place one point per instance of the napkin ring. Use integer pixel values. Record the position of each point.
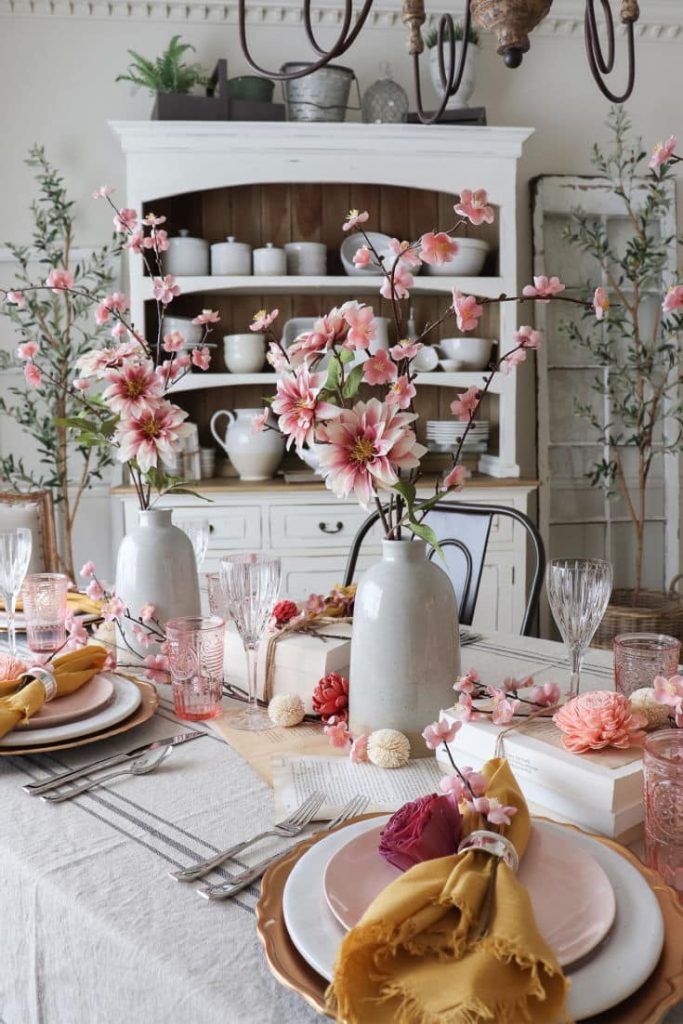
(44, 676)
(493, 843)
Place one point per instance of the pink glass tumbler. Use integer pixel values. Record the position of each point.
(195, 654)
(44, 597)
(663, 774)
(639, 657)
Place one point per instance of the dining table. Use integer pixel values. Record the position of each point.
(94, 931)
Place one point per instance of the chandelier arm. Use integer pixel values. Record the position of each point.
(450, 76)
(345, 38)
(340, 46)
(604, 64)
(424, 119)
(594, 56)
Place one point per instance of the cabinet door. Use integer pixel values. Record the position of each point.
(499, 603)
(317, 574)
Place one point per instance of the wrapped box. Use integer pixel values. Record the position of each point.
(301, 659)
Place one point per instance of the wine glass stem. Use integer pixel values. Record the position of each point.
(11, 609)
(576, 658)
(252, 669)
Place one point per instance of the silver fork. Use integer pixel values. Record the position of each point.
(286, 829)
(140, 767)
(229, 889)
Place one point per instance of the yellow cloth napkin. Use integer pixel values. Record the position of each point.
(75, 602)
(71, 671)
(414, 957)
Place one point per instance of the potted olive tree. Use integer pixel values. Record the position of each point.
(635, 342)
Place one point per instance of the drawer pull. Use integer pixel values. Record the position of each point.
(337, 528)
(212, 528)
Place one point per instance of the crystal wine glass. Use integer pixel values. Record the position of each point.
(198, 531)
(250, 584)
(578, 592)
(15, 554)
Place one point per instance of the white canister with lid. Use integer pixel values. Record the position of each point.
(186, 256)
(231, 258)
(270, 261)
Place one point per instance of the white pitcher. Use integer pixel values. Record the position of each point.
(255, 455)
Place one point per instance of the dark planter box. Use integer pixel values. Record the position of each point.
(216, 105)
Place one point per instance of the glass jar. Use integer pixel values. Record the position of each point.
(385, 102)
(663, 777)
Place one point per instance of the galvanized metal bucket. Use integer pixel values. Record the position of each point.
(320, 96)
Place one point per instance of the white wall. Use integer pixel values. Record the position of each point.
(57, 83)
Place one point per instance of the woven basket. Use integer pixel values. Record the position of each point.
(657, 611)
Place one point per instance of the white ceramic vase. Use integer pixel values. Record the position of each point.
(405, 649)
(255, 455)
(469, 76)
(156, 564)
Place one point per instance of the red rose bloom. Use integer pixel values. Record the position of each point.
(422, 830)
(284, 612)
(331, 697)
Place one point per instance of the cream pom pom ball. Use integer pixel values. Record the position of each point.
(388, 748)
(657, 714)
(286, 710)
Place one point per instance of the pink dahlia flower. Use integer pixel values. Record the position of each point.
(297, 406)
(366, 445)
(133, 389)
(154, 434)
(473, 206)
(599, 719)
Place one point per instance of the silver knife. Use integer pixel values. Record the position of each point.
(36, 788)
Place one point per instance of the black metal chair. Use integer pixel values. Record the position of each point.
(464, 553)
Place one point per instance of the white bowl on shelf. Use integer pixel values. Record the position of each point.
(469, 353)
(193, 333)
(450, 365)
(426, 360)
(244, 353)
(353, 243)
(467, 262)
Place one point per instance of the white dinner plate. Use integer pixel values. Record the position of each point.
(625, 961)
(126, 700)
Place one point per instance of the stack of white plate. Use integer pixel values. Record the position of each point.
(444, 435)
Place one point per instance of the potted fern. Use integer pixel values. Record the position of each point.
(172, 80)
(460, 98)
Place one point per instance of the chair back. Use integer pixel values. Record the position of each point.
(463, 530)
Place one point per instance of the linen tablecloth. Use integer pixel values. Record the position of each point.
(95, 932)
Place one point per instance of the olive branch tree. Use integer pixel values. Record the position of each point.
(639, 352)
(63, 325)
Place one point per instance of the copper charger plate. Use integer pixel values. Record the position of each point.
(145, 710)
(662, 990)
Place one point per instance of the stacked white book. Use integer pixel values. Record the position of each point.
(601, 791)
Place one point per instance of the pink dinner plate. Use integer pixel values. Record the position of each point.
(87, 701)
(572, 897)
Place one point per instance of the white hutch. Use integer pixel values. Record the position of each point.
(275, 182)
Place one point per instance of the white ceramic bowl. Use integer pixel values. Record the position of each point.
(244, 353)
(306, 259)
(426, 360)
(469, 353)
(467, 262)
(450, 365)
(192, 333)
(353, 243)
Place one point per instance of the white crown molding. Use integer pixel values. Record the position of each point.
(660, 20)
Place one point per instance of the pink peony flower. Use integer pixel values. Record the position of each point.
(11, 667)
(543, 288)
(473, 206)
(668, 691)
(354, 219)
(503, 711)
(361, 321)
(16, 299)
(337, 733)
(154, 434)
(437, 248)
(455, 480)
(366, 446)
(424, 829)
(440, 732)
(158, 668)
(362, 257)
(60, 280)
(359, 749)
(147, 612)
(600, 303)
(467, 311)
(297, 406)
(262, 320)
(405, 349)
(402, 281)
(403, 253)
(95, 590)
(599, 719)
(28, 350)
(527, 337)
(174, 341)
(673, 299)
(201, 358)
(379, 369)
(466, 404)
(663, 152)
(133, 389)
(207, 316)
(32, 375)
(401, 393)
(114, 609)
(546, 694)
(103, 192)
(125, 220)
(87, 570)
(165, 289)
